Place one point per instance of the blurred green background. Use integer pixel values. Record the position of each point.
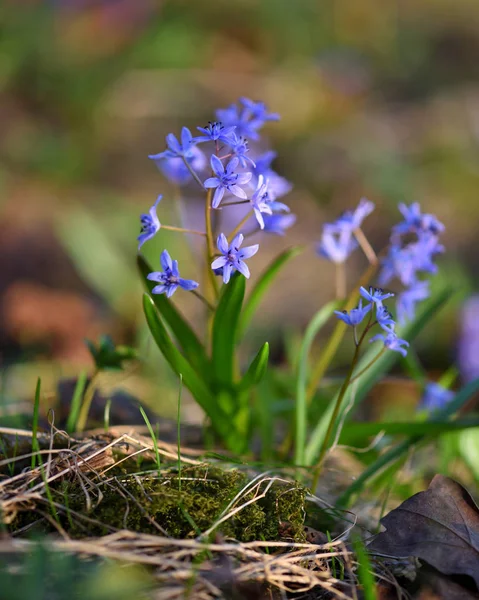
(378, 99)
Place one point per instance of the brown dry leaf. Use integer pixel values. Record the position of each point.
(439, 526)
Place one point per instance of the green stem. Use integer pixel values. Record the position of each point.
(370, 364)
(366, 246)
(239, 226)
(181, 230)
(235, 203)
(203, 299)
(210, 243)
(193, 173)
(87, 399)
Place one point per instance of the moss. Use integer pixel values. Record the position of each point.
(205, 492)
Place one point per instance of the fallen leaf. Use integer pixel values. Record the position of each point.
(439, 526)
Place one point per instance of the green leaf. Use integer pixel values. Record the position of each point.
(225, 330)
(107, 356)
(184, 334)
(262, 285)
(356, 393)
(397, 452)
(177, 361)
(256, 370)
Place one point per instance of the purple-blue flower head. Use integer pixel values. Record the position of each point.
(247, 119)
(259, 200)
(258, 111)
(392, 342)
(215, 132)
(175, 170)
(407, 300)
(170, 279)
(150, 224)
(435, 397)
(233, 256)
(416, 222)
(277, 224)
(336, 248)
(278, 186)
(385, 319)
(352, 219)
(239, 147)
(375, 295)
(226, 180)
(355, 316)
(176, 148)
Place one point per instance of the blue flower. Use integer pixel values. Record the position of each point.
(278, 186)
(355, 316)
(392, 342)
(170, 279)
(259, 200)
(336, 248)
(214, 132)
(385, 319)
(239, 146)
(375, 295)
(233, 257)
(175, 149)
(352, 219)
(258, 111)
(435, 397)
(175, 170)
(278, 223)
(416, 222)
(247, 119)
(407, 300)
(150, 224)
(226, 180)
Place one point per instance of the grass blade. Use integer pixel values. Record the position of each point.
(36, 414)
(76, 402)
(153, 439)
(262, 286)
(256, 370)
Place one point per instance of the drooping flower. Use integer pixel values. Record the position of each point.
(407, 300)
(435, 397)
(226, 180)
(170, 279)
(150, 224)
(233, 257)
(259, 200)
(375, 295)
(336, 248)
(385, 319)
(215, 131)
(278, 223)
(391, 342)
(355, 316)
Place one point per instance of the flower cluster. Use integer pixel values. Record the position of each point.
(222, 163)
(405, 261)
(435, 397)
(378, 315)
(338, 240)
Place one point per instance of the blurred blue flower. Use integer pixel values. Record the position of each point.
(391, 342)
(352, 219)
(150, 224)
(247, 119)
(232, 256)
(355, 316)
(259, 200)
(278, 186)
(435, 397)
(278, 223)
(385, 319)
(175, 170)
(407, 300)
(258, 111)
(239, 146)
(170, 279)
(176, 148)
(468, 347)
(226, 180)
(375, 295)
(416, 222)
(215, 131)
(336, 247)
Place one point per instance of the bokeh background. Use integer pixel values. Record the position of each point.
(377, 99)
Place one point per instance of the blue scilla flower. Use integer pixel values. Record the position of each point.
(352, 219)
(150, 224)
(277, 224)
(375, 295)
(233, 257)
(355, 316)
(392, 342)
(260, 203)
(239, 147)
(226, 180)
(435, 397)
(170, 279)
(416, 222)
(247, 119)
(407, 300)
(258, 111)
(175, 170)
(278, 186)
(385, 319)
(215, 132)
(400, 263)
(336, 247)
(176, 148)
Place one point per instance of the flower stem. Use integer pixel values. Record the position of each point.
(181, 230)
(203, 299)
(370, 364)
(366, 246)
(235, 203)
(193, 173)
(210, 243)
(87, 400)
(340, 281)
(238, 227)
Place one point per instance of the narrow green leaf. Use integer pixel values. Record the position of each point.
(358, 391)
(312, 330)
(262, 285)
(256, 370)
(36, 416)
(76, 402)
(184, 334)
(398, 451)
(225, 330)
(365, 571)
